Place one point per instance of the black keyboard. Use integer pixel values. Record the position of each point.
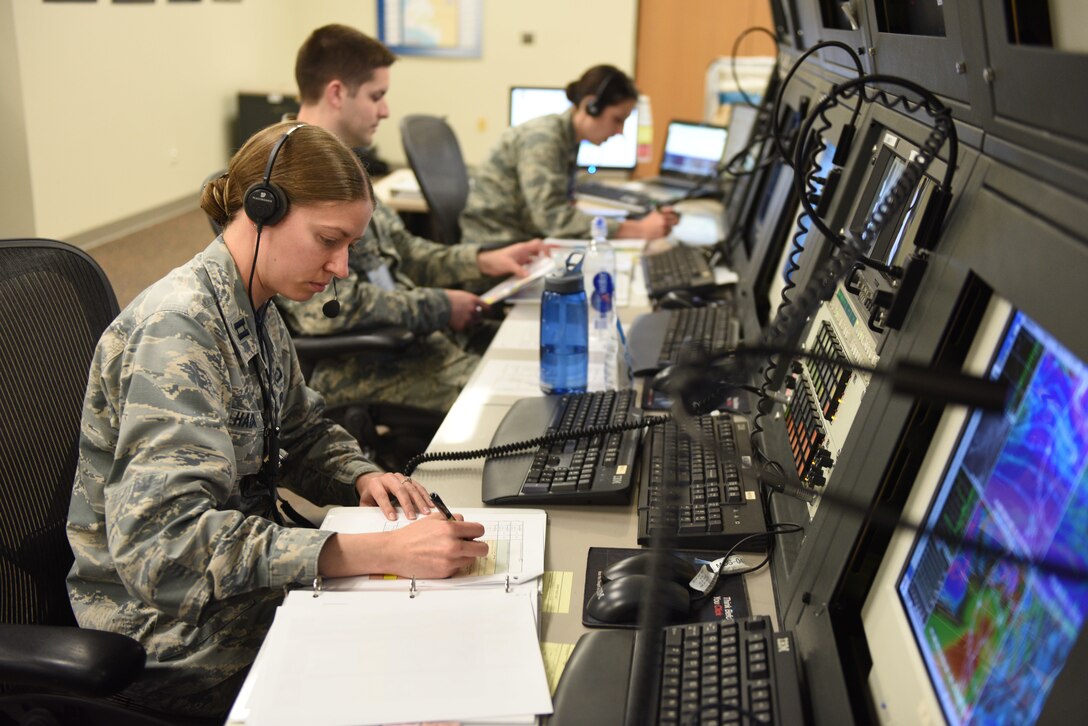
(706, 497)
(656, 340)
(677, 268)
(624, 198)
(714, 329)
(719, 673)
(588, 470)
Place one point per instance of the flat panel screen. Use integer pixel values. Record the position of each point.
(619, 152)
(693, 149)
(969, 635)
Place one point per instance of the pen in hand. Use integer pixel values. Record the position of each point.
(441, 506)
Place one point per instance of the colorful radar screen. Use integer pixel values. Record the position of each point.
(994, 631)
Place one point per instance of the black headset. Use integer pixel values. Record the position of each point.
(594, 107)
(265, 202)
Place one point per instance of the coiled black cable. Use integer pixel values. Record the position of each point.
(765, 403)
(790, 320)
(527, 444)
(943, 130)
(733, 59)
(776, 135)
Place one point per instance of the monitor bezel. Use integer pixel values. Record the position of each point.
(899, 683)
(630, 132)
(692, 124)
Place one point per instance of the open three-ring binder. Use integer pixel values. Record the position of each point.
(372, 650)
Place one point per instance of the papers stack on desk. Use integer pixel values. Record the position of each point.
(626, 252)
(402, 183)
(512, 285)
(379, 650)
(515, 539)
(379, 657)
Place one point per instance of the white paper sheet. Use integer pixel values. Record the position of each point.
(348, 658)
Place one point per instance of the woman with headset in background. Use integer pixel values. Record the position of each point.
(194, 397)
(525, 187)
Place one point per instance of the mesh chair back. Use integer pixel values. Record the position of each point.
(55, 301)
(435, 157)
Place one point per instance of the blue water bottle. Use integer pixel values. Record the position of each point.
(564, 333)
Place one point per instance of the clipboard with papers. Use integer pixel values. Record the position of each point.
(537, 269)
(395, 650)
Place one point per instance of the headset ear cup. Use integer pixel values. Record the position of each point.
(265, 203)
(594, 108)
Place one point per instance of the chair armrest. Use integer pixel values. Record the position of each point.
(375, 339)
(88, 662)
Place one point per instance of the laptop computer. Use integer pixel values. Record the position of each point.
(691, 157)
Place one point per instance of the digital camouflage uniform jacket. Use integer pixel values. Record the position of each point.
(524, 189)
(394, 278)
(166, 519)
(418, 268)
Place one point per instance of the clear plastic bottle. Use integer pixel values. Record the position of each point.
(563, 331)
(600, 284)
(645, 130)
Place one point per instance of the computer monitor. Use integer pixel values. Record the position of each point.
(778, 284)
(968, 637)
(742, 121)
(891, 161)
(619, 152)
(693, 149)
(529, 102)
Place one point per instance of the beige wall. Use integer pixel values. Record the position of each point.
(125, 108)
(16, 202)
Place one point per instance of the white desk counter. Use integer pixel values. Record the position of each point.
(507, 372)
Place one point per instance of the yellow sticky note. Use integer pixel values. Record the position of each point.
(555, 657)
(557, 586)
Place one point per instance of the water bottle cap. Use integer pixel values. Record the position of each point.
(599, 228)
(570, 279)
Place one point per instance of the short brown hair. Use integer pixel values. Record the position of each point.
(338, 52)
(312, 166)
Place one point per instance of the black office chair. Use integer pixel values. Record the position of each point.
(55, 301)
(435, 158)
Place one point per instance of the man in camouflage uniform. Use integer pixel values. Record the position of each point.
(525, 188)
(395, 278)
(381, 290)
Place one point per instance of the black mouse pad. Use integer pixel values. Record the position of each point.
(728, 601)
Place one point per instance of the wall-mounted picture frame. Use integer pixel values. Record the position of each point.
(432, 28)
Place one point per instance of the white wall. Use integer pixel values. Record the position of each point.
(127, 106)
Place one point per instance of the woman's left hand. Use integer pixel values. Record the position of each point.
(376, 487)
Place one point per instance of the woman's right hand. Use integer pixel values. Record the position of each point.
(430, 547)
(435, 547)
(654, 225)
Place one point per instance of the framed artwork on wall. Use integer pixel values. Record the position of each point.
(435, 28)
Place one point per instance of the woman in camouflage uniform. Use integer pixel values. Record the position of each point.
(177, 538)
(524, 189)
